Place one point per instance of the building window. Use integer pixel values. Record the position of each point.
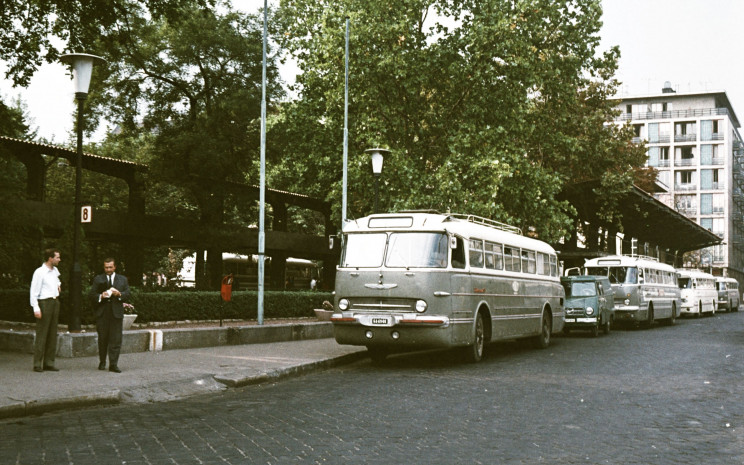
(684, 180)
(684, 156)
(685, 204)
(711, 179)
(685, 131)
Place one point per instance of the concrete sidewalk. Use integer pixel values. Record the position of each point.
(159, 376)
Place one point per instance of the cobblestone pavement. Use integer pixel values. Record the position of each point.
(665, 395)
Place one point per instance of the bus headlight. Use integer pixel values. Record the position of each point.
(627, 302)
(589, 310)
(421, 306)
(343, 304)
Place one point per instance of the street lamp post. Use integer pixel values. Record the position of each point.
(377, 158)
(82, 69)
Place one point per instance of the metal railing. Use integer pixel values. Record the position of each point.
(685, 137)
(685, 162)
(685, 187)
(671, 114)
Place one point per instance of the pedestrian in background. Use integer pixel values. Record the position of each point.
(44, 293)
(108, 293)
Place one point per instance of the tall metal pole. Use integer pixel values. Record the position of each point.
(262, 196)
(346, 129)
(76, 280)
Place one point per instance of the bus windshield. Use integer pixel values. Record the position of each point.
(684, 283)
(420, 250)
(404, 250)
(617, 274)
(363, 250)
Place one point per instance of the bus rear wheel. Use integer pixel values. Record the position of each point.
(542, 340)
(474, 352)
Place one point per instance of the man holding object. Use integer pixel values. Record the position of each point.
(108, 293)
(45, 287)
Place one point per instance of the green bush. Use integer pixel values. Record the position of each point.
(172, 306)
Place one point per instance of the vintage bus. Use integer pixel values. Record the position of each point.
(698, 291)
(728, 294)
(645, 289)
(418, 280)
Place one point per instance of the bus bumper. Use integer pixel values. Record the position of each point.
(689, 309)
(629, 313)
(393, 331)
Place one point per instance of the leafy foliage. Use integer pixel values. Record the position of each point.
(489, 106)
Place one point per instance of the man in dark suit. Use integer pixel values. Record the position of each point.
(108, 293)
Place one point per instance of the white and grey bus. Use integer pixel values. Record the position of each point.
(417, 280)
(699, 294)
(728, 294)
(645, 289)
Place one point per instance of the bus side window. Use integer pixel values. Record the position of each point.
(458, 254)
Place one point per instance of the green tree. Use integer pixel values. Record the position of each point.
(34, 29)
(489, 106)
(195, 83)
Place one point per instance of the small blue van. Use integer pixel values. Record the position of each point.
(589, 304)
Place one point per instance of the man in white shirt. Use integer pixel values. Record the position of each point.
(45, 288)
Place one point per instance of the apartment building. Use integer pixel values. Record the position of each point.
(693, 141)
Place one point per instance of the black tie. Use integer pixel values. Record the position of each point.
(109, 281)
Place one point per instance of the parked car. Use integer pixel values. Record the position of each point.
(589, 303)
(728, 294)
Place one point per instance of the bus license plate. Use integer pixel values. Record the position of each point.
(380, 321)
(570, 320)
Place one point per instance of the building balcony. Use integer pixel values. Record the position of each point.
(685, 187)
(661, 139)
(671, 114)
(685, 162)
(663, 163)
(717, 161)
(687, 211)
(685, 137)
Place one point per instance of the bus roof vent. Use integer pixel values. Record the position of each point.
(433, 212)
(645, 257)
(485, 222)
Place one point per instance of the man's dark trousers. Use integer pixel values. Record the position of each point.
(109, 335)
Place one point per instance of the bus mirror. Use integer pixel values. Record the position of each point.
(331, 240)
(453, 242)
(640, 280)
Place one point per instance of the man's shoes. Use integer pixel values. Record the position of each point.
(102, 366)
(51, 369)
(38, 369)
(114, 369)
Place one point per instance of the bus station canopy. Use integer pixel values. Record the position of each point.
(643, 217)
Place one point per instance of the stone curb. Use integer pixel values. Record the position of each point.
(39, 406)
(179, 390)
(235, 380)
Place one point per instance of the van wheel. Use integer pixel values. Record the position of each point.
(377, 354)
(595, 330)
(606, 326)
(474, 352)
(542, 341)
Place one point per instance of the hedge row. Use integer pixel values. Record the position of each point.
(172, 306)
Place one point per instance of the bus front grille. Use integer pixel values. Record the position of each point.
(382, 305)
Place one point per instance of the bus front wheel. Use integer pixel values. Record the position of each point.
(474, 352)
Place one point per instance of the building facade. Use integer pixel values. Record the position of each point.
(693, 141)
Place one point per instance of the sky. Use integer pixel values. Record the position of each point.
(694, 44)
